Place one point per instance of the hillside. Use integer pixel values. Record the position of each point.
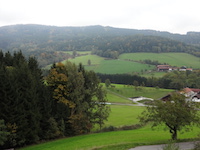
(48, 42)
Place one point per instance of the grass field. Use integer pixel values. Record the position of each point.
(95, 60)
(174, 59)
(121, 65)
(128, 114)
(129, 91)
(117, 140)
(110, 66)
(120, 115)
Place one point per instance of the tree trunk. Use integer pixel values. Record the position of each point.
(174, 133)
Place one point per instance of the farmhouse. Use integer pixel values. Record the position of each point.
(163, 67)
(190, 94)
(170, 68)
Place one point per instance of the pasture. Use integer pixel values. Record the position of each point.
(110, 66)
(115, 140)
(119, 140)
(119, 67)
(173, 59)
(122, 65)
(130, 91)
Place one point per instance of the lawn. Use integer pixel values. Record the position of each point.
(130, 91)
(173, 59)
(118, 140)
(128, 114)
(120, 115)
(95, 60)
(110, 66)
(120, 66)
(115, 98)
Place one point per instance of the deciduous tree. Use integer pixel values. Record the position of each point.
(176, 114)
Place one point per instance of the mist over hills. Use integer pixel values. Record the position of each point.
(106, 41)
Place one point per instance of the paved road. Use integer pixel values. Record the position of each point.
(182, 146)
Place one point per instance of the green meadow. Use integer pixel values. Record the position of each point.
(174, 59)
(110, 66)
(122, 65)
(118, 140)
(95, 60)
(129, 91)
(119, 67)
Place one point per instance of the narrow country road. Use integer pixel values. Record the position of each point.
(182, 146)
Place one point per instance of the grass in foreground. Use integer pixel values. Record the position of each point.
(122, 140)
(123, 115)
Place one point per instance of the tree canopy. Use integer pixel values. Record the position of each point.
(69, 101)
(176, 114)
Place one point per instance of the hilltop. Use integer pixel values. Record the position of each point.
(49, 42)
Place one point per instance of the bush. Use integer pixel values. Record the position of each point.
(110, 128)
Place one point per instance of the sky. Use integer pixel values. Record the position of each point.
(175, 16)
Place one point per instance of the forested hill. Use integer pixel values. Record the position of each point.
(104, 41)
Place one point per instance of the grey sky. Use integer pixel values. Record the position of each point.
(176, 16)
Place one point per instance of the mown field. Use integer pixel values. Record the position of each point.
(121, 65)
(110, 66)
(117, 140)
(120, 115)
(129, 91)
(174, 59)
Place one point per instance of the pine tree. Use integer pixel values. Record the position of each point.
(23, 99)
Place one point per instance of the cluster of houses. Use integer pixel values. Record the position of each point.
(191, 94)
(170, 68)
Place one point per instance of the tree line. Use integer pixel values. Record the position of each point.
(68, 101)
(172, 80)
(113, 46)
(104, 41)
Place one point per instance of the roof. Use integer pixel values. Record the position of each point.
(196, 90)
(187, 90)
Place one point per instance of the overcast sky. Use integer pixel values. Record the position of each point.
(176, 16)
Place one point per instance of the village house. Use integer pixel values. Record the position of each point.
(191, 94)
(170, 68)
(163, 67)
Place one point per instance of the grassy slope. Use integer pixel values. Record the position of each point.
(101, 65)
(123, 115)
(95, 60)
(120, 115)
(120, 66)
(174, 59)
(129, 91)
(116, 140)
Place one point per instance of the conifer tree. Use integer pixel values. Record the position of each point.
(21, 99)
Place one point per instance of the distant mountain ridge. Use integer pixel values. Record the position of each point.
(106, 41)
(97, 30)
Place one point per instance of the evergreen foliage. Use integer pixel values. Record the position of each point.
(3, 132)
(69, 102)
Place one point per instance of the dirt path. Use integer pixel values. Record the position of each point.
(182, 146)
